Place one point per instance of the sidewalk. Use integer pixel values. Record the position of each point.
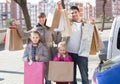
(11, 65)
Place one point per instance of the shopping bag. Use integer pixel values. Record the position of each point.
(64, 24)
(4, 38)
(13, 40)
(90, 41)
(34, 73)
(97, 43)
(61, 26)
(53, 18)
(60, 71)
(68, 30)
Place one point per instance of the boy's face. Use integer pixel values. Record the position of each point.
(34, 38)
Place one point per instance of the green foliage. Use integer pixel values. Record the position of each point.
(107, 19)
(8, 21)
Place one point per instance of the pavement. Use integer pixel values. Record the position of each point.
(12, 69)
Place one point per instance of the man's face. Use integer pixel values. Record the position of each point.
(75, 14)
(42, 20)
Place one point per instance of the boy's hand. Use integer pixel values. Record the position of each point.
(37, 58)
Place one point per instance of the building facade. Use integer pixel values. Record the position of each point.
(99, 8)
(11, 10)
(115, 8)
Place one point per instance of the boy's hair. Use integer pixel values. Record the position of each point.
(42, 15)
(62, 44)
(74, 8)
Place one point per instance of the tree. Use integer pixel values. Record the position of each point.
(23, 5)
(103, 18)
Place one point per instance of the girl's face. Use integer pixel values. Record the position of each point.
(35, 38)
(62, 50)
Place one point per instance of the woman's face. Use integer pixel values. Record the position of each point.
(35, 38)
(42, 20)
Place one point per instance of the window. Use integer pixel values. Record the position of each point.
(118, 39)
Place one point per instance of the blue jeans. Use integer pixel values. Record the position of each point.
(47, 81)
(82, 63)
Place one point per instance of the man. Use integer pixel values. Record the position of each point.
(73, 45)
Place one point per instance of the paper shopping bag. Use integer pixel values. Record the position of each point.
(60, 71)
(90, 41)
(34, 73)
(64, 24)
(53, 18)
(85, 45)
(13, 40)
(97, 43)
(67, 27)
(61, 26)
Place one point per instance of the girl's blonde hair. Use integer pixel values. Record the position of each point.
(62, 44)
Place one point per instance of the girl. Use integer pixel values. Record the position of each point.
(35, 50)
(62, 55)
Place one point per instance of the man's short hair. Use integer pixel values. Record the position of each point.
(74, 8)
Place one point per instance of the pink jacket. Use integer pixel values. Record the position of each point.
(67, 58)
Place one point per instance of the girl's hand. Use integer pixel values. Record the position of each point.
(64, 55)
(30, 57)
(37, 58)
(59, 55)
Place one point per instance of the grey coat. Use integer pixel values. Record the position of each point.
(48, 34)
(41, 51)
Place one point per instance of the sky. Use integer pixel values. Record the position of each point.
(35, 1)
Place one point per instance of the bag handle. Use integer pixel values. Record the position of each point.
(63, 5)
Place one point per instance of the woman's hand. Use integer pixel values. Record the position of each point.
(59, 5)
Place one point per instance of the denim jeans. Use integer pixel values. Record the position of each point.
(47, 81)
(82, 63)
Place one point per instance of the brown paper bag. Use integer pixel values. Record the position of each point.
(97, 43)
(68, 30)
(60, 71)
(53, 18)
(13, 40)
(85, 45)
(64, 24)
(93, 46)
(91, 41)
